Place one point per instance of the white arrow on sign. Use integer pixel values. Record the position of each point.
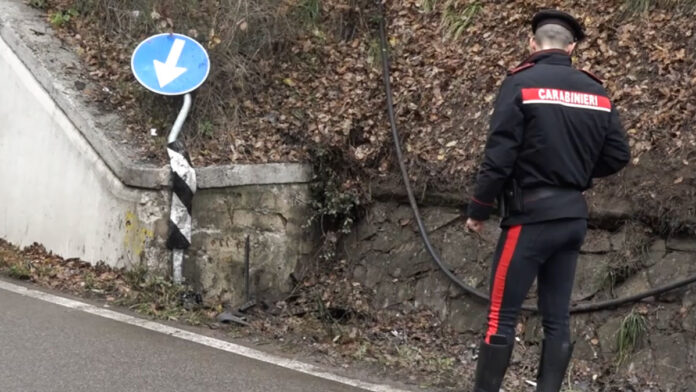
(168, 72)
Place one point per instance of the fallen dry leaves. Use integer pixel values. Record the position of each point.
(327, 91)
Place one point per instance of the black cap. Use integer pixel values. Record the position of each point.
(545, 17)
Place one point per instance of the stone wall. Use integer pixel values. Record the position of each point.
(387, 256)
(272, 216)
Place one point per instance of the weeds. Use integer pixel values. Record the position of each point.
(429, 5)
(20, 271)
(632, 330)
(569, 380)
(39, 4)
(455, 21)
(61, 18)
(309, 12)
(334, 204)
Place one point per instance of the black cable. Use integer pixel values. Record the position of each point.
(582, 307)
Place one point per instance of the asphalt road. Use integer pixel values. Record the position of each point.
(49, 348)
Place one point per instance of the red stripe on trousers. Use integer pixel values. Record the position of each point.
(499, 281)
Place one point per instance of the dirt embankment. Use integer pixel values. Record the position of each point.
(313, 82)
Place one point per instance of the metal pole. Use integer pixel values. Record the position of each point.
(174, 134)
(247, 294)
(178, 251)
(177, 265)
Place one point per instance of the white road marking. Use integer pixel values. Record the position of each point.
(218, 344)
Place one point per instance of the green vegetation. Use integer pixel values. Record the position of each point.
(334, 204)
(309, 12)
(20, 271)
(429, 5)
(62, 18)
(632, 330)
(455, 19)
(40, 4)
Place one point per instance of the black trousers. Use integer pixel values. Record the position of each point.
(547, 251)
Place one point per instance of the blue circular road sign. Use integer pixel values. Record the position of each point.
(170, 64)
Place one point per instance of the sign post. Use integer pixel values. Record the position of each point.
(174, 64)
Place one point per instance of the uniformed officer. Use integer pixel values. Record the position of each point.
(553, 130)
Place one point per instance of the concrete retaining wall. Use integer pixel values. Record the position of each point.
(57, 190)
(67, 184)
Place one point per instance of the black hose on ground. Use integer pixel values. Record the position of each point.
(582, 307)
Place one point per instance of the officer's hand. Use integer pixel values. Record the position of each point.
(474, 225)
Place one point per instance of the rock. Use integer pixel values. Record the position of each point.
(365, 230)
(607, 335)
(665, 315)
(380, 212)
(682, 244)
(618, 239)
(637, 283)
(583, 334)
(435, 218)
(360, 273)
(432, 291)
(674, 266)
(640, 364)
(394, 293)
(388, 239)
(689, 321)
(604, 207)
(689, 311)
(589, 276)
(458, 248)
(657, 252)
(670, 354)
(467, 315)
(689, 299)
(533, 330)
(409, 259)
(596, 241)
(371, 272)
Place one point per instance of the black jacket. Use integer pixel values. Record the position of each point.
(553, 127)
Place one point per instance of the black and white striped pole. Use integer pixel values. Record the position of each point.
(183, 188)
(174, 64)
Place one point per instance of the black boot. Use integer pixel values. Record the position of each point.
(555, 356)
(492, 363)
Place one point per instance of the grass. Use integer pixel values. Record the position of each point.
(456, 20)
(20, 271)
(632, 330)
(569, 380)
(455, 17)
(309, 12)
(429, 5)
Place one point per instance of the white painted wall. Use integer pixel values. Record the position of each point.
(56, 190)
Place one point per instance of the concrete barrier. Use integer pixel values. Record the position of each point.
(65, 184)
